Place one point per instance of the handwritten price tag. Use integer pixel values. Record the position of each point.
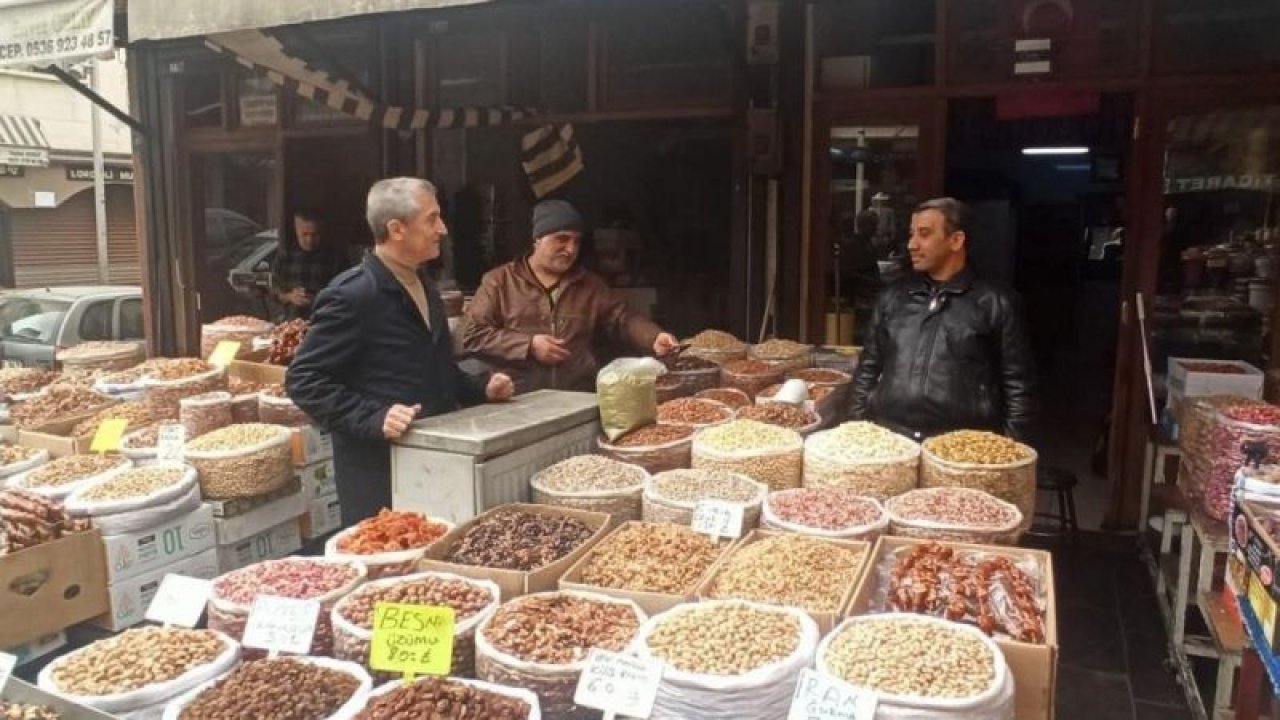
(824, 698)
(171, 441)
(618, 684)
(7, 664)
(224, 352)
(281, 624)
(179, 601)
(412, 639)
(717, 518)
(107, 438)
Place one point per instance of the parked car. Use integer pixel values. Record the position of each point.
(36, 323)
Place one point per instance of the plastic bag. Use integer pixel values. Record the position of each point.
(281, 411)
(125, 523)
(779, 465)
(1012, 482)
(173, 711)
(351, 642)
(245, 472)
(621, 503)
(770, 519)
(762, 694)
(151, 695)
(385, 564)
(165, 396)
(535, 712)
(59, 492)
(244, 408)
(1195, 426)
(628, 400)
(200, 414)
(904, 523)
(77, 504)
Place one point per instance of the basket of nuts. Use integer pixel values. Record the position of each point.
(804, 420)
(735, 399)
(100, 355)
(835, 513)
(983, 461)
(472, 601)
(242, 329)
(957, 514)
(694, 413)
(766, 453)
(390, 543)
(61, 477)
(318, 689)
(671, 496)
(594, 483)
(541, 641)
(862, 457)
(467, 699)
(649, 558)
(694, 374)
(656, 447)
(785, 354)
(242, 460)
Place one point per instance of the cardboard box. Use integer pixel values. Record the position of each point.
(56, 436)
(133, 554)
(514, 583)
(324, 515)
(311, 445)
(651, 602)
(1034, 666)
(39, 647)
(239, 506)
(1187, 382)
(318, 479)
(270, 544)
(254, 372)
(128, 599)
(825, 620)
(264, 517)
(51, 587)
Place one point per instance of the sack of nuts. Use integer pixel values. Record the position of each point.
(983, 461)
(862, 457)
(484, 700)
(319, 689)
(130, 489)
(834, 513)
(766, 453)
(671, 496)
(956, 514)
(594, 483)
(656, 448)
(242, 460)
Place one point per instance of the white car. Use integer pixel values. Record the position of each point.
(36, 323)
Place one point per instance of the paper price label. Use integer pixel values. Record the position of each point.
(281, 624)
(717, 518)
(412, 639)
(7, 664)
(224, 352)
(618, 684)
(179, 601)
(107, 438)
(823, 698)
(171, 440)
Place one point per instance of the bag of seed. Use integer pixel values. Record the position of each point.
(628, 398)
(323, 684)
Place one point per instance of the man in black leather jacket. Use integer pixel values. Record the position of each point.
(947, 350)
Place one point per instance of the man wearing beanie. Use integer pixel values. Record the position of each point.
(539, 318)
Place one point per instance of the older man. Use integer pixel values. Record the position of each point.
(378, 353)
(540, 317)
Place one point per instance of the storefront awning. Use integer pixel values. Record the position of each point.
(22, 142)
(164, 19)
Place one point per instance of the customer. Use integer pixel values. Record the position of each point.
(541, 317)
(378, 353)
(947, 350)
(304, 265)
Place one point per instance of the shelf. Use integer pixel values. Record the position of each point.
(1211, 533)
(1261, 643)
(1224, 627)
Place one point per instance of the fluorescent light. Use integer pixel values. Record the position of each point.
(1077, 150)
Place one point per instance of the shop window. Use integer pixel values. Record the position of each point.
(258, 102)
(666, 54)
(865, 44)
(1205, 36)
(95, 323)
(202, 99)
(131, 323)
(470, 70)
(235, 206)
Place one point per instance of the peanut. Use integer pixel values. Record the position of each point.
(911, 657)
(135, 659)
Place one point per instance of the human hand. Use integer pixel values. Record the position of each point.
(665, 344)
(297, 297)
(398, 420)
(500, 388)
(548, 350)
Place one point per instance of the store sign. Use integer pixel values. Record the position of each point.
(412, 639)
(107, 438)
(617, 684)
(281, 625)
(1032, 56)
(24, 157)
(823, 698)
(1214, 183)
(43, 32)
(171, 441)
(180, 601)
(259, 111)
(84, 173)
(12, 171)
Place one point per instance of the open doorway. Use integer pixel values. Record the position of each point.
(1044, 177)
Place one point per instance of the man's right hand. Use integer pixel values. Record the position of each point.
(297, 297)
(548, 350)
(398, 420)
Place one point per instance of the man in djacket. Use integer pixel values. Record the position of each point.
(540, 318)
(378, 353)
(947, 350)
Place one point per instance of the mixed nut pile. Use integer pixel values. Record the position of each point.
(274, 688)
(588, 473)
(651, 557)
(446, 700)
(56, 402)
(723, 638)
(794, 570)
(136, 659)
(916, 658)
(519, 540)
(559, 628)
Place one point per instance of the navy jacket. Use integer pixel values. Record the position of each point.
(368, 349)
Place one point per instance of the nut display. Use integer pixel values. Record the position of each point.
(275, 406)
(821, 376)
(204, 413)
(285, 341)
(982, 461)
(169, 382)
(766, 453)
(100, 354)
(19, 381)
(1234, 428)
(14, 454)
(691, 411)
(954, 513)
(795, 570)
(242, 460)
(560, 628)
(988, 591)
(780, 414)
(735, 399)
(862, 457)
(589, 473)
(391, 531)
(650, 557)
(138, 415)
(832, 509)
(716, 340)
(135, 659)
(723, 638)
(917, 658)
(28, 519)
(144, 439)
(1197, 419)
(779, 349)
(513, 539)
(56, 402)
(67, 470)
(295, 577)
(656, 434)
(444, 699)
(975, 447)
(23, 711)
(134, 483)
(253, 690)
(671, 496)
(178, 368)
(655, 448)
(817, 393)
(750, 376)
(687, 363)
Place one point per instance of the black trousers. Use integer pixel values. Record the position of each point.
(363, 469)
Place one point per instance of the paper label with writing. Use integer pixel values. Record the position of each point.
(818, 697)
(107, 438)
(171, 441)
(7, 664)
(280, 624)
(717, 518)
(619, 684)
(179, 601)
(224, 352)
(412, 639)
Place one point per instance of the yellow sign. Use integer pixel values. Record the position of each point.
(107, 438)
(412, 639)
(224, 352)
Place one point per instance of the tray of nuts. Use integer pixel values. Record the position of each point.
(824, 512)
(767, 453)
(594, 483)
(15, 459)
(109, 675)
(982, 461)
(957, 514)
(451, 699)
(131, 489)
(59, 478)
(786, 354)
(472, 601)
(862, 457)
(317, 689)
(242, 460)
(671, 496)
(22, 381)
(390, 543)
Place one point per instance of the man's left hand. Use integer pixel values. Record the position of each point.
(665, 344)
(500, 388)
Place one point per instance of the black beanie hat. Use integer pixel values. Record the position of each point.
(553, 216)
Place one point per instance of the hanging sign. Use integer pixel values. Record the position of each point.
(35, 34)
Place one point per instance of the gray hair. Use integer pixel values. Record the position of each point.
(955, 214)
(394, 199)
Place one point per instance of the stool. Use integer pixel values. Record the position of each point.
(1063, 483)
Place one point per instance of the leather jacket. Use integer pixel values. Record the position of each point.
(947, 357)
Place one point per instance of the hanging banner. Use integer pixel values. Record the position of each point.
(36, 33)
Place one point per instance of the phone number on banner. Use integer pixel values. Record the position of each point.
(87, 43)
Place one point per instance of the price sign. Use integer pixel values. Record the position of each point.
(224, 352)
(7, 664)
(412, 639)
(823, 698)
(171, 440)
(717, 518)
(179, 601)
(618, 684)
(281, 624)
(107, 438)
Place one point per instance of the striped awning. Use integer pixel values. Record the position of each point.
(22, 142)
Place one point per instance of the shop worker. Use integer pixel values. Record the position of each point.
(304, 264)
(378, 354)
(541, 317)
(947, 350)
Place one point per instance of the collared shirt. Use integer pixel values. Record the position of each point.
(412, 282)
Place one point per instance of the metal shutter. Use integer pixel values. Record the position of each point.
(57, 246)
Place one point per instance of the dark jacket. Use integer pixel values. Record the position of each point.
(511, 307)
(948, 357)
(368, 349)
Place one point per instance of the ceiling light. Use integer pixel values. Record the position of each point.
(1068, 150)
